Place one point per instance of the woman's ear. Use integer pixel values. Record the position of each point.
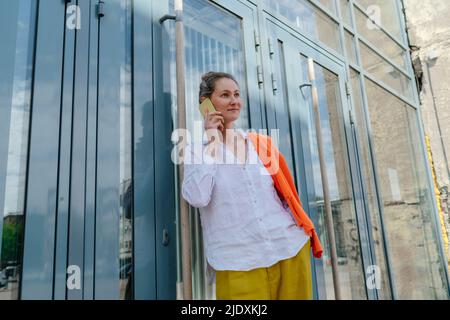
(202, 99)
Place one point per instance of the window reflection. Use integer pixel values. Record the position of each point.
(13, 210)
(312, 21)
(126, 191)
(385, 71)
(344, 218)
(329, 4)
(345, 12)
(407, 203)
(380, 40)
(389, 19)
(212, 43)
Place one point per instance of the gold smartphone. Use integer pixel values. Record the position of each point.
(206, 105)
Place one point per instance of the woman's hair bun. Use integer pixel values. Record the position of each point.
(209, 80)
(208, 75)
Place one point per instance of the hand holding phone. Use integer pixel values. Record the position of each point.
(205, 106)
(213, 118)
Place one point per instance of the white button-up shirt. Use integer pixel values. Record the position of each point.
(245, 224)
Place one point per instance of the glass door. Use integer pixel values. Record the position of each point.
(290, 110)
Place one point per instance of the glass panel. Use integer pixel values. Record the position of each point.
(370, 193)
(329, 4)
(280, 105)
(380, 40)
(345, 12)
(385, 72)
(126, 192)
(345, 224)
(350, 47)
(407, 203)
(311, 21)
(13, 210)
(386, 12)
(213, 42)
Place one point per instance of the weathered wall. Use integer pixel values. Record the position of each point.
(429, 32)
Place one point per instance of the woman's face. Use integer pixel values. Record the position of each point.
(226, 98)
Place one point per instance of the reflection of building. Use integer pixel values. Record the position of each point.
(11, 251)
(12, 239)
(126, 239)
(91, 124)
(126, 235)
(13, 218)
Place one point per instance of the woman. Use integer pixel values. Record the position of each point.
(251, 238)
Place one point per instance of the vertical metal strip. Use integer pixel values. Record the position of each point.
(76, 243)
(91, 160)
(144, 239)
(62, 215)
(184, 214)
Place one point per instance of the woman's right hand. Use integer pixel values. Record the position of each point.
(214, 126)
(214, 120)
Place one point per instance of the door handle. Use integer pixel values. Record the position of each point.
(165, 237)
(323, 171)
(303, 86)
(166, 17)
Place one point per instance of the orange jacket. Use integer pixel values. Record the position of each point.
(274, 161)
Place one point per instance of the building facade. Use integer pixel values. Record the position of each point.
(429, 35)
(89, 191)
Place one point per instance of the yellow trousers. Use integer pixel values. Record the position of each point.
(289, 279)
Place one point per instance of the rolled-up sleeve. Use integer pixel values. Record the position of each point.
(199, 171)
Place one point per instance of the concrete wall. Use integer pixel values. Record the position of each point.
(429, 32)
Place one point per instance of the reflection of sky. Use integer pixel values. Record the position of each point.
(125, 100)
(299, 12)
(125, 93)
(20, 111)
